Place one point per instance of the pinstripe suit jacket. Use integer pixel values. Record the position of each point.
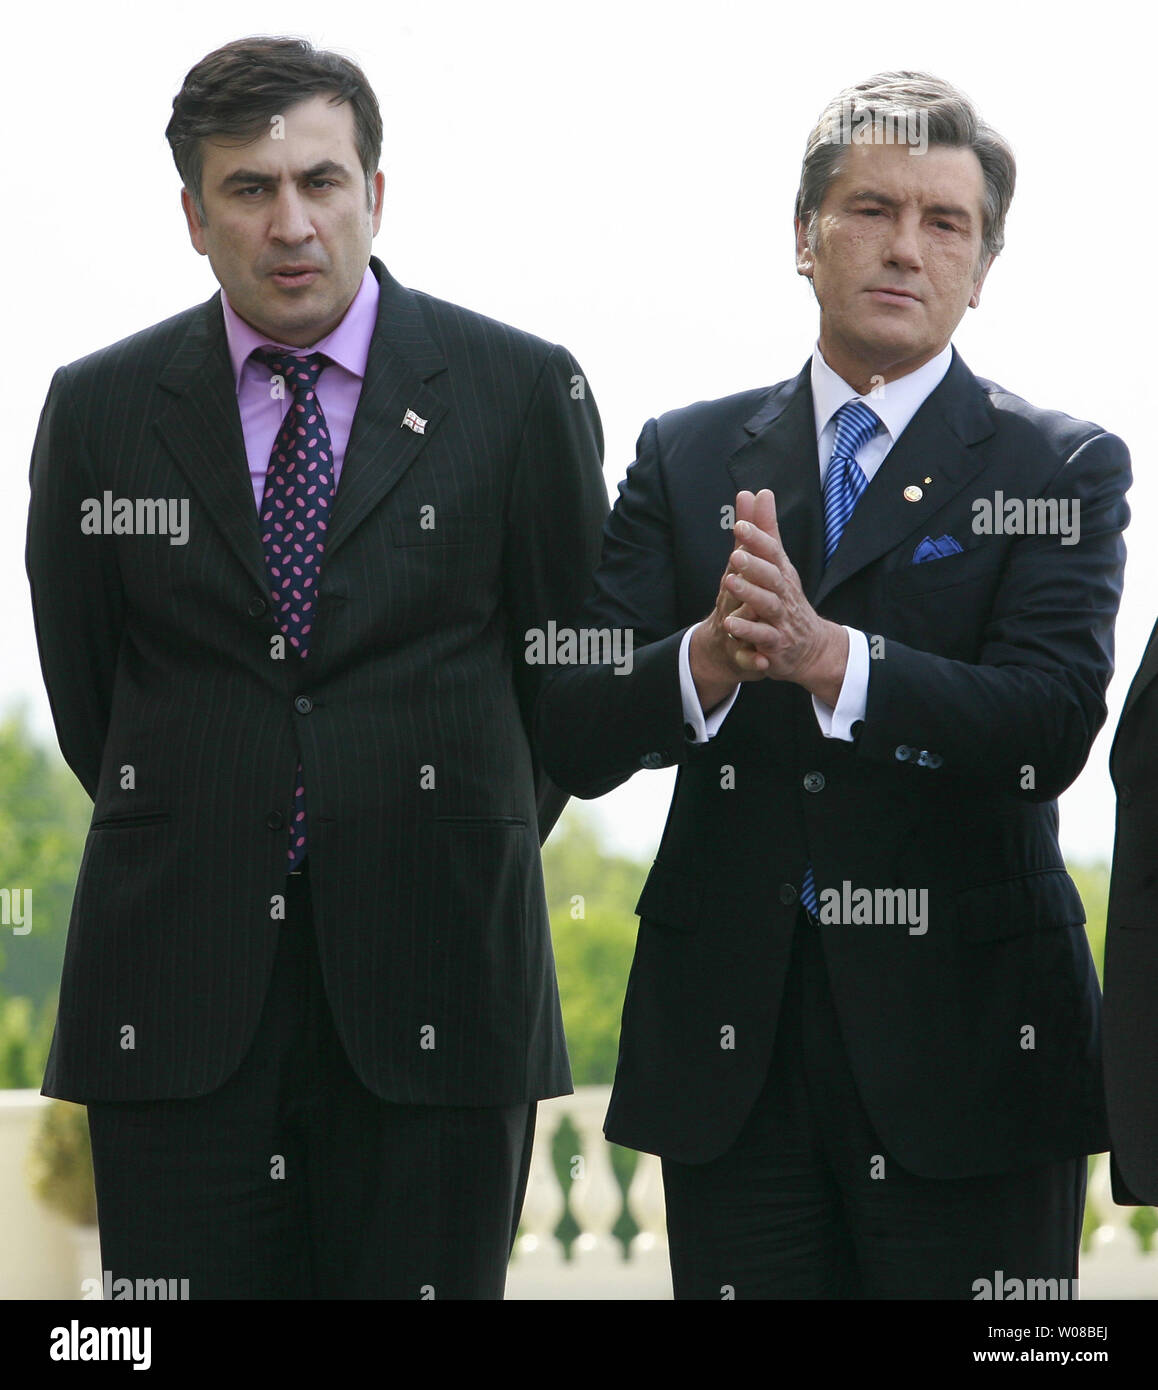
(409, 716)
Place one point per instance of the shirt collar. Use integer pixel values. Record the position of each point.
(348, 344)
(897, 403)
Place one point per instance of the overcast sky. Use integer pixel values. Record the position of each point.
(618, 177)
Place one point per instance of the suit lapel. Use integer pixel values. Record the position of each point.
(202, 426)
(381, 448)
(935, 445)
(202, 429)
(780, 453)
(1145, 674)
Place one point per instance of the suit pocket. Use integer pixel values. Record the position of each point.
(132, 821)
(480, 822)
(1044, 900)
(944, 573)
(444, 530)
(671, 899)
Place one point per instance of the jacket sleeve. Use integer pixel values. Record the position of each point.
(598, 723)
(1022, 719)
(77, 597)
(555, 513)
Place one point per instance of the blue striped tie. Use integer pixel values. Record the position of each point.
(843, 485)
(844, 482)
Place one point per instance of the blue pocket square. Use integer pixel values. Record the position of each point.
(935, 549)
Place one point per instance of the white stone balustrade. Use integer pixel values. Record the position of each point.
(39, 1251)
(1114, 1265)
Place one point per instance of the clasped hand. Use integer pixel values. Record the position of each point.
(762, 624)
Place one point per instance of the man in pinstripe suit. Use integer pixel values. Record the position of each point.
(308, 994)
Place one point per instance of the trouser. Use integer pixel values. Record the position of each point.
(293, 1180)
(808, 1203)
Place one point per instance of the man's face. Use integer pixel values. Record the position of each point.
(897, 248)
(287, 226)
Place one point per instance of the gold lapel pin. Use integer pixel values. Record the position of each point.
(913, 493)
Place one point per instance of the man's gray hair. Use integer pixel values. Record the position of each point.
(947, 118)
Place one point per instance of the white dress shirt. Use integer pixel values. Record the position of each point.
(895, 405)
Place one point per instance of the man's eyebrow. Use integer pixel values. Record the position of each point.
(251, 176)
(868, 195)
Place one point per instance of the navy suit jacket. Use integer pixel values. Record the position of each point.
(975, 1045)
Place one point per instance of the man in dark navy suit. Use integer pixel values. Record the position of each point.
(285, 549)
(862, 1023)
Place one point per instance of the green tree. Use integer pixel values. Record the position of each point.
(1093, 883)
(591, 894)
(44, 816)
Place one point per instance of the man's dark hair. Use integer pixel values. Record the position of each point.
(235, 90)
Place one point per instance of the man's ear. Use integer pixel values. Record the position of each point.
(975, 297)
(379, 192)
(196, 228)
(805, 260)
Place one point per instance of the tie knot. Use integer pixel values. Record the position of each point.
(855, 426)
(300, 373)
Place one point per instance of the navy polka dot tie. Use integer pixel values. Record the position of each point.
(295, 508)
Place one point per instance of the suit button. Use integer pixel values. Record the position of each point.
(257, 607)
(814, 781)
(904, 753)
(651, 760)
(933, 760)
(787, 894)
(275, 820)
(303, 704)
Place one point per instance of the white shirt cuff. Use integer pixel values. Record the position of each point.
(703, 727)
(853, 698)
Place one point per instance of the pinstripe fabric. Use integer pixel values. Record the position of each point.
(409, 720)
(374, 1200)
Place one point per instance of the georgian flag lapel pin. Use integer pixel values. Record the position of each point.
(413, 421)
